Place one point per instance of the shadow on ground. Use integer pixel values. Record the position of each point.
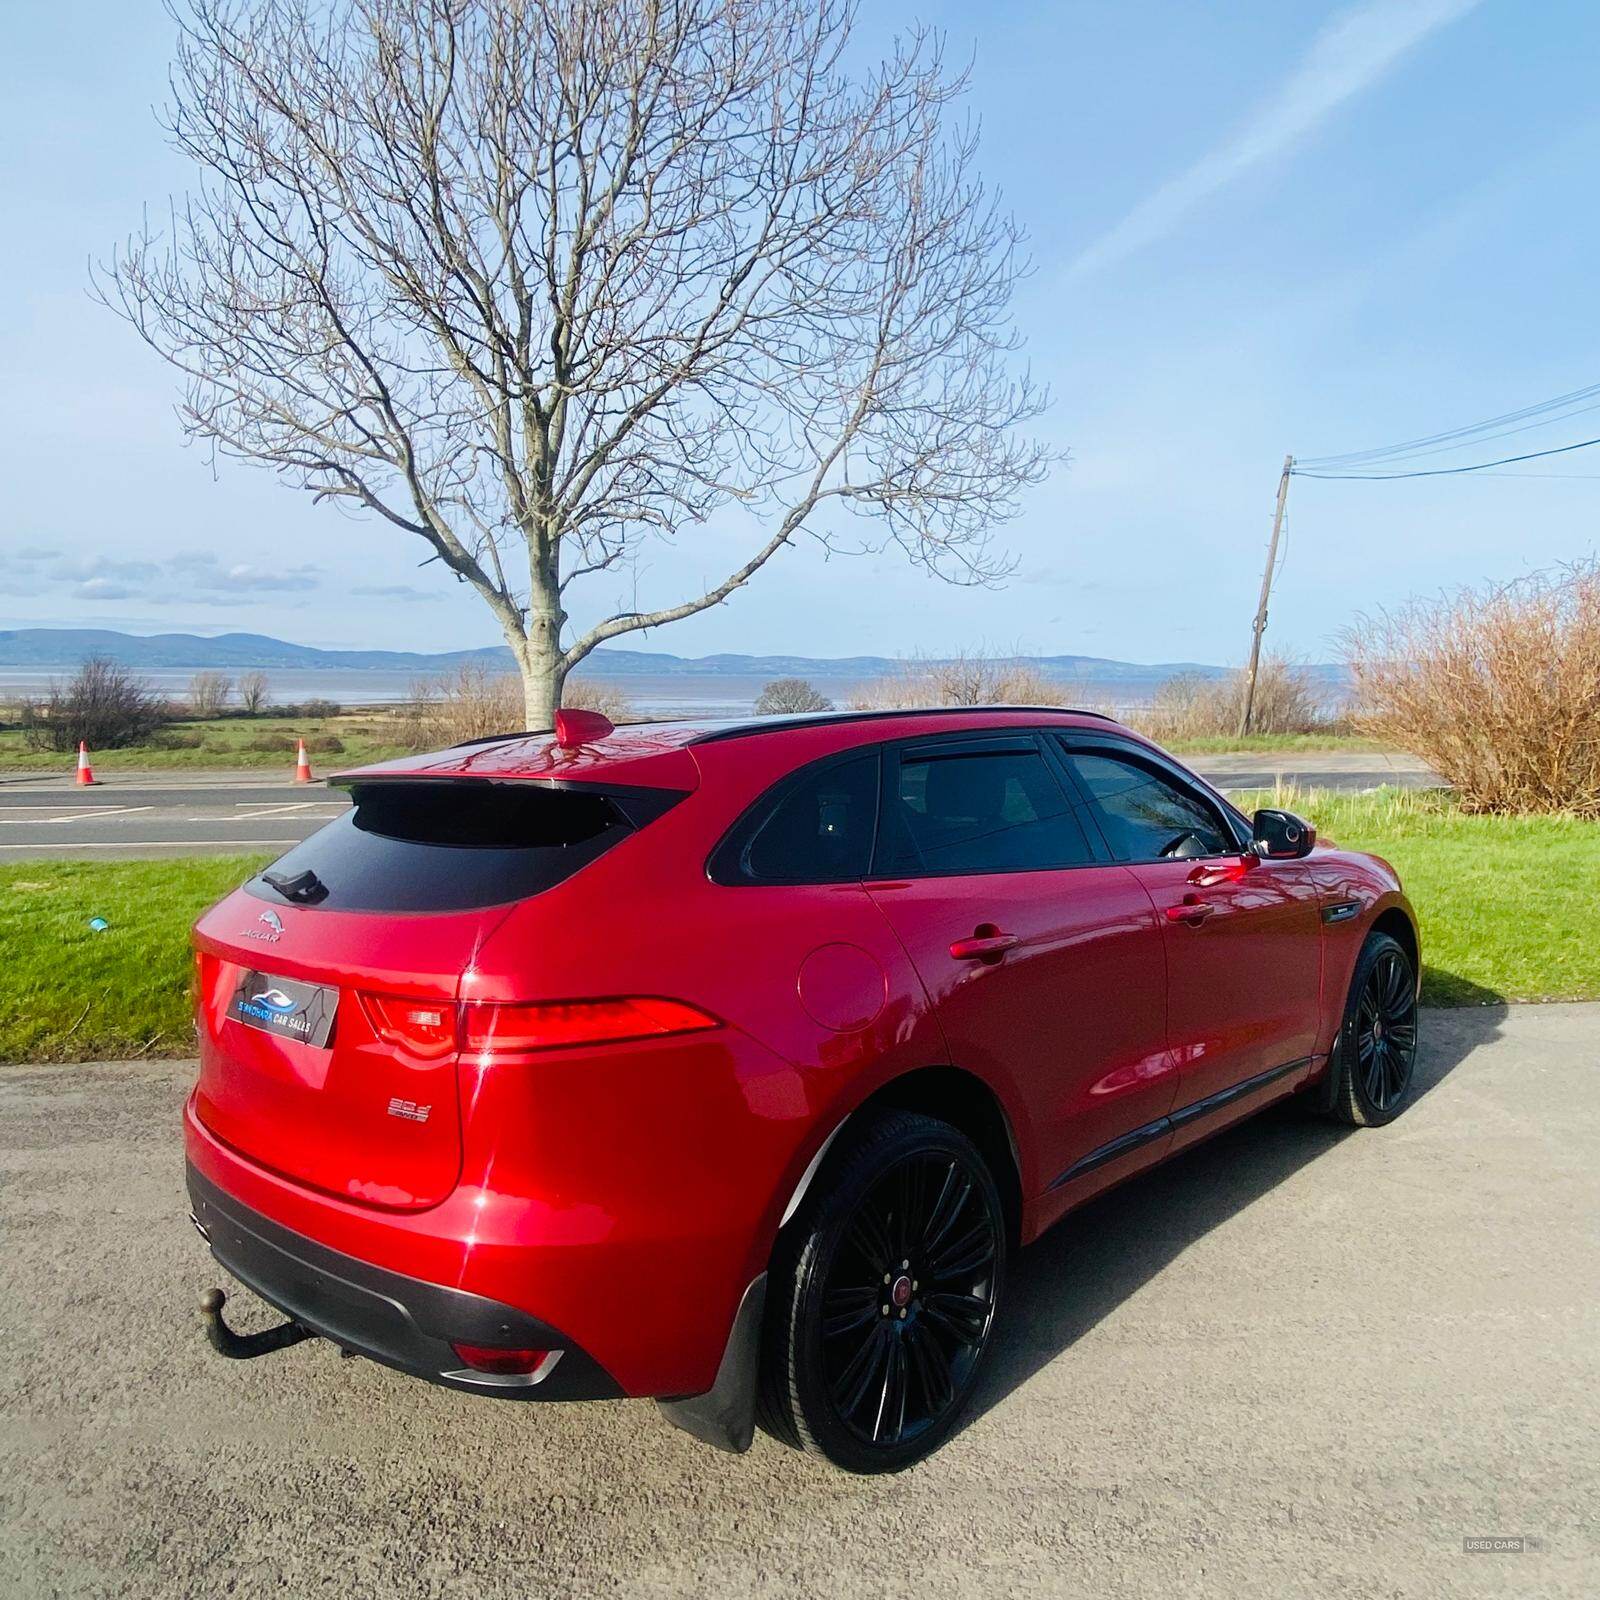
(1099, 1255)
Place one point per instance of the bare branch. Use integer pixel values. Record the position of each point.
(542, 281)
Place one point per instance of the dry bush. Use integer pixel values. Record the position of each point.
(469, 703)
(475, 703)
(103, 704)
(787, 696)
(209, 693)
(585, 694)
(1497, 689)
(972, 678)
(1190, 706)
(254, 692)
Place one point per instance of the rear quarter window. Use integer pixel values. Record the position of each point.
(816, 826)
(454, 846)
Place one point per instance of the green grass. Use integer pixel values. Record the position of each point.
(71, 994)
(1509, 906)
(1212, 744)
(366, 737)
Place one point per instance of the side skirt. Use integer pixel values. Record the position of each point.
(1181, 1118)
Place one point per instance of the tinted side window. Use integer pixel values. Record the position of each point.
(1000, 811)
(817, 829)
(1144, 815)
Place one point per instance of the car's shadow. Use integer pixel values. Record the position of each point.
(1099, 1255)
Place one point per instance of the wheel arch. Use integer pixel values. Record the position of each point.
(953, 1095)
(1395, 922)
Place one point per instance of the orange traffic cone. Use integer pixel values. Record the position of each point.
(302, 766)
(85, 771)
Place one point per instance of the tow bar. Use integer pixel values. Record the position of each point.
(242, 1346)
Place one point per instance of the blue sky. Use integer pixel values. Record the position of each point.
(1257, 228)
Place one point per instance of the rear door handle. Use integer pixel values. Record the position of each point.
(984, 946)
(1191, 910)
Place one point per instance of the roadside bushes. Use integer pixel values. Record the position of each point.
(475, 703)
(588, 694)
(1497, 689)
(786, 696)
(1190, 706)
(102, 704)
(974, 678)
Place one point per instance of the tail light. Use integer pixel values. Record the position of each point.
(548, 1025)
(431, 1029)
(425, 1028)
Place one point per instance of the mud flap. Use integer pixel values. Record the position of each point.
(725, 1415)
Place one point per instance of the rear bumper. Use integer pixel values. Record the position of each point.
(404, 1322)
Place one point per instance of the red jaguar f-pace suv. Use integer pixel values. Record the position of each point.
(728, 1063)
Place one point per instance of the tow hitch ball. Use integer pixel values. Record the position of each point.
(241, 1346)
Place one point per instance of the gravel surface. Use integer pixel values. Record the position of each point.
(1295, 1361)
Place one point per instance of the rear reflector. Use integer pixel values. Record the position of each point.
(504, 1363)
(549, 1025)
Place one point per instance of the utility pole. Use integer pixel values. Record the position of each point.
(1261, 606)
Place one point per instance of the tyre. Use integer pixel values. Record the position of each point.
(882, 1296)
(1376, 1054)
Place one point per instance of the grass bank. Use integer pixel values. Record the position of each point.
(230, 743)
(71, 994)
(1509, 906)
(1510, 909)
(1217, 744)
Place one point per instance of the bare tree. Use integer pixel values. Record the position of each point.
(539, 281)
(254, 692)
(789, 695)
(102, 704)
(209, 693)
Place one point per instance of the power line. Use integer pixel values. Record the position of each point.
(1449, 472)
(1476, 432)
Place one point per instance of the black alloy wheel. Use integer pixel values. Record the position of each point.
(1377, 1051)
(1386, 1030)
(881, 1312)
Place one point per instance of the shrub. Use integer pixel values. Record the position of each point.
(968, 679)
(254, 692)
(268, 742)
(177, 739)
(325, 744)
(470, 703)
(1190, 706)
(1497, 689)
(209, 693)
(786, 696)
(581, 694)
(103, 704)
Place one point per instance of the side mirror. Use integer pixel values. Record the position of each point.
(1281, 836)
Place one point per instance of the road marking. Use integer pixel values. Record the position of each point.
(155, 844)
(78, 816)
(282, 810)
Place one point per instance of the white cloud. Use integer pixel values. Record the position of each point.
(1354, 49)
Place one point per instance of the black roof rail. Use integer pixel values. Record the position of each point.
(810, 719)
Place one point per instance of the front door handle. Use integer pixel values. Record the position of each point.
(990, 945)
(1191, 910)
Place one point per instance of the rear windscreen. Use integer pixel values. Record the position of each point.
(453, 846)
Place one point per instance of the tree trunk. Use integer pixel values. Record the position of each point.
(539, 666)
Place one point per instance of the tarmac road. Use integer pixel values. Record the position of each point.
(220, 813)
(1296, 1361)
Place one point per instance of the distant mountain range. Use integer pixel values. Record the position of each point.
(67, 647)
